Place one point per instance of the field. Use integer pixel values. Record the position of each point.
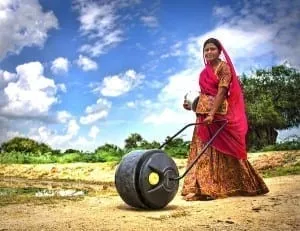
(82, 196)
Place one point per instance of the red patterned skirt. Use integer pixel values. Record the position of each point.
(218, 175)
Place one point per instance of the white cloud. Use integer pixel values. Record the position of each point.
(29, 93)
(101, 24)
(60, 65)
(120, 84)
(141, 104)
(95, 19)
(168, 108)
(178, 85)
(81, 143)
(263, 29)
(169, 116)
(12, 134)
(131, 104)
(128, 3)
(7, 134)
(86, 63)
(62, 87)
(94, 131)
(155, 84)
(63, 116)
(53, 138)
(223, 12)
(73, 128)
(99, 47)
(96, 112)
(91, 118)
(150, 21)
(175, 50)
(23, 24)
(5, 78)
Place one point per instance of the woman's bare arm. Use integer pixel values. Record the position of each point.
(222, 91)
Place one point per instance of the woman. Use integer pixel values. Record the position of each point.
(223, 169)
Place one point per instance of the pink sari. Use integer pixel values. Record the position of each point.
(232, 139)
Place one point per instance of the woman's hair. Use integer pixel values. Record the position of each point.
(215, 42)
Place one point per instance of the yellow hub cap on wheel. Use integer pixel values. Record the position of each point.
(153, 178)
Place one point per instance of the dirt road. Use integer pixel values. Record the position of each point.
(278, 210)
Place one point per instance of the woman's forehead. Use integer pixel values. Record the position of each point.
(210, 45)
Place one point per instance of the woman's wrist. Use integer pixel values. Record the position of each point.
(211, 114)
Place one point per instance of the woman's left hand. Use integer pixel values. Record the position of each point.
(209, 119)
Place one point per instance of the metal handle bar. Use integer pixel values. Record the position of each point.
(185, 127)
(203, 150)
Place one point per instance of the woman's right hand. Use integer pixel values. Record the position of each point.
(186, 105)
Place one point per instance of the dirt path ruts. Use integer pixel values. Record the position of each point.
(278, 210)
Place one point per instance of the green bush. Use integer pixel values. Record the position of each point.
(70, 158)
(283, 171)
(89, 158)
(104, 156)
(177, 148)
(32, 158)
(43, 159)
(20, 144)
(288, 145)
(13, 158)
(26, 158)
(177, 152)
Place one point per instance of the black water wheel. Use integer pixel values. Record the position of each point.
(143, 179)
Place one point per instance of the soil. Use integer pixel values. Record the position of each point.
(104, 210)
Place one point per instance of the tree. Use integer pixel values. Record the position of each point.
(133, 141)
(56, 152)
(177, 147)
(146, 145)
(272, 102)
(70, 150)
(108, 152)
(26, 145)
(136, 141)
(113, 149)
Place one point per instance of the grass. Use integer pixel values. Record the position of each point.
(282, 171)
(33, 158)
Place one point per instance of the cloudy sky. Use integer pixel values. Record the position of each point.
(80, 73)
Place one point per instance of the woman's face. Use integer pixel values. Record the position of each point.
(211, 52)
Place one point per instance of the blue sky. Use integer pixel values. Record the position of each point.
(80, 73)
